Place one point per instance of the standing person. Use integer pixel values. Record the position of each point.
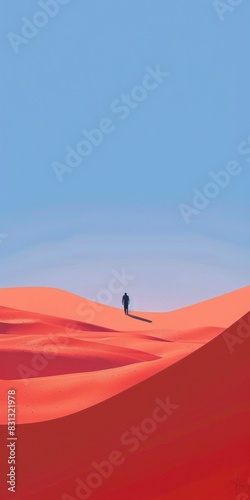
(125, 302)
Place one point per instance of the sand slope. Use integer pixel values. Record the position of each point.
(89, 385)
(221, 311)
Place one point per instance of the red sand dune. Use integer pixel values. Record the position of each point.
(95, 378)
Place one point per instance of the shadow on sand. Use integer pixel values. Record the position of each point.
(139, 318)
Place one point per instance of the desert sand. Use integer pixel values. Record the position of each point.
(161, 400)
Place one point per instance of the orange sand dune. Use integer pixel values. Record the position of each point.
(219, 312)
(87, 379)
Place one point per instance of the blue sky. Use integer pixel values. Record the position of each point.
(120, 207)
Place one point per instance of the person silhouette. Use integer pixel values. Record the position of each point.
(125, 302)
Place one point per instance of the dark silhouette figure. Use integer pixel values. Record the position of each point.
(125, 302)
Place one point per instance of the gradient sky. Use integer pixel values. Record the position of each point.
(120, 207)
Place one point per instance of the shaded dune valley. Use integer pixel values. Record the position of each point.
(150, 406)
